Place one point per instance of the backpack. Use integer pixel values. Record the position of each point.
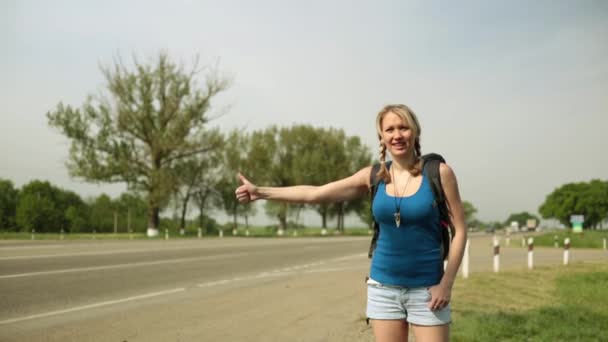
(430, 166)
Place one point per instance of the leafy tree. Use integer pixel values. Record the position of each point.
(154, 117)
(469, 213)
(234, 156)
(588, 199)
(365, 214)
(521, 218)
(75, 211)
(37, 208)
(355, 156)
(358, 156)
(132, 212)
(8, 204)
(328, 162)
(102, 214)
(77, 219)
(198, 177)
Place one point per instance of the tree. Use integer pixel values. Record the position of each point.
(38, 207)
(102, 214)
(588, 199)
(155, 117)
(197, 176)
(469, 213)
(235, 153)
(132, 213)
(353, 157)
(521, 218)
(8, 204)
(75, 211)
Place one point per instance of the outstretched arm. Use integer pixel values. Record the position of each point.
(344, 189)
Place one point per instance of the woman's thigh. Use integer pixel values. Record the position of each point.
(435, 333)
(390, 330)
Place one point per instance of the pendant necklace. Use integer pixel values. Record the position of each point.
(398, 198)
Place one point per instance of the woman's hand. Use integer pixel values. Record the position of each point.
(247, 192)
(440, 296)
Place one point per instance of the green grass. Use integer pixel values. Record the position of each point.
(71, 236)
(588, 239)
(189, 234)
(549, 304)
(300, 232)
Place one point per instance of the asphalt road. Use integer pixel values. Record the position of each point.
(229, 289)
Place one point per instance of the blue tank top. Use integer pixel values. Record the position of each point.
(408, 255)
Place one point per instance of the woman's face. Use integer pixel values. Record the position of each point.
(397, 135)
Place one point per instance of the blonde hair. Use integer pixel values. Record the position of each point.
(410, 118)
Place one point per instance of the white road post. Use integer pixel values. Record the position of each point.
(33, 234)
(166, 234)
(61, 235)
(508, 242)
(323, 231)
(605, 242)
(200, 232)
(531, 253)
(221, 233)
(496, 254)
(566, 251)
(247, 232)
(465, 260)
(523, 241)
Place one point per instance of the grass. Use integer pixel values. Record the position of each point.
(71, 236)
(549, 304)
(173, 234)
(588, 239)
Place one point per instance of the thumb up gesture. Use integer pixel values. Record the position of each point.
(247, 192)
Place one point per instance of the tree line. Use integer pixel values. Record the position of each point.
(150, 129)
(206, 182)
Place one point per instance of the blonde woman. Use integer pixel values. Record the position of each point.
(408, 287)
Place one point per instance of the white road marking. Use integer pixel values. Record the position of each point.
(113, 252)
(181, 247)
(91, 306)
(135, 264)
(274, 273)
(46, 256)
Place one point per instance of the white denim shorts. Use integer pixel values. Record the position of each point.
(403, 303)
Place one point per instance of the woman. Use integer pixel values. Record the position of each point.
(408, 286)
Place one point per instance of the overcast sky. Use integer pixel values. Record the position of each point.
(514, 94)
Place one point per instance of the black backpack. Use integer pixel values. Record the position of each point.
(430, 167)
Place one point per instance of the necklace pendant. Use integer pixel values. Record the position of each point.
(397, 219)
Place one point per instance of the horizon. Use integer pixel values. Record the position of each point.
(513, 95)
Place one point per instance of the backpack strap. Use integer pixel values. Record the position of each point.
(373, 181)
(431, 163)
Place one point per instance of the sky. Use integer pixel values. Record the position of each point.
(514, 94)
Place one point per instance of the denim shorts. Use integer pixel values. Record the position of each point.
(403, 303)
